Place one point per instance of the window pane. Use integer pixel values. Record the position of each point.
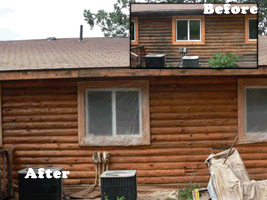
(127, 112)
(100, 112)
(253, 27)
(182, 30)
(194, 29)
(256, 110)
(132, 30)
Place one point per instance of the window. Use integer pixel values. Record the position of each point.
(113, 113)
(252, 109)
(251, 29)
(188, 30)
(134, 31)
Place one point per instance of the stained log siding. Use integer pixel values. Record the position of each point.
(222, 33)
(189, 116)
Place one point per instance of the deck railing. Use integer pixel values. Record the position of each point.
(137, 57)
(6, 173)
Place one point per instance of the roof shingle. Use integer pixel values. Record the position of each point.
(64, 53)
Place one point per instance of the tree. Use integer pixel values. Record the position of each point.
(117, 22)
(262, 14)
(113, 23)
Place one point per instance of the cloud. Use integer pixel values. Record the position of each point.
(8, 34)
(5, 11)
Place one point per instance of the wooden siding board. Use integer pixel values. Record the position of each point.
(184, 128)
(155, 33)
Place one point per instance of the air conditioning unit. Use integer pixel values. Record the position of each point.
(119, 183)
(191, 61)
(155, 61)
(41, 189)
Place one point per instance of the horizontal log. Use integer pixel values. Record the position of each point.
(193, 95)
(185, 130)
(190, 116)
(34, 98)
(42, 104)
(36, 157)
(40, 139)
(47, 118)
(146, 155)
(118, 166)
(199, 101)
(255, 163)
(53, 160)
(39, 90)
(39, 111)
(39, 125)
(193, 108)
(192, 87)
(154, 145)
(38, 132)
(194, 137)
(198, 122)
(39, 83)
(67, 167)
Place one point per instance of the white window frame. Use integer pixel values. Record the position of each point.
(113, 103)
(188, 30)
(134, 30)
(249, 30)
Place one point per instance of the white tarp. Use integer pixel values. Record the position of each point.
(231, 181)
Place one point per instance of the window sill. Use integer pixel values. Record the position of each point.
(188, 43)
(251, 42)
(133, 140)
(134, 43)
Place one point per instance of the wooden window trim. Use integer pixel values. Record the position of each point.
(242, 83)
(201, 17)
(247, 17)
(144, 139)
(135, 19)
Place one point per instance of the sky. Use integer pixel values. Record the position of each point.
(31, 19)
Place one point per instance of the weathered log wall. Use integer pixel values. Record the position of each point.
(189, 116)
(222, 33)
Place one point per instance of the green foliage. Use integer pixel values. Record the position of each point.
(106, 197)
(262, 14)
(121, 198)
(117, 22)
(118, 198)
(111, 23)
(227, 60)
(186, 192)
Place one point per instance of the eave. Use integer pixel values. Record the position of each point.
(125, 72)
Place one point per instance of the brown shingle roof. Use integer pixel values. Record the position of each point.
(64, 53)
(68, 53)
(142, 7)
(262, 54)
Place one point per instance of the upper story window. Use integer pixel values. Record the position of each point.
(134, 31)
(113, 113)
(251, 29)
(252, 109)
(188, 30)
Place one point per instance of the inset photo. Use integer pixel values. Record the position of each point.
(193, 36)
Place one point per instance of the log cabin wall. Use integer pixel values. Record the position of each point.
(189, 116)
(222, 33)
